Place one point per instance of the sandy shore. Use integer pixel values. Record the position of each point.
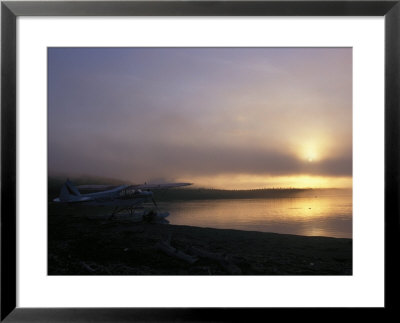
(87, 245)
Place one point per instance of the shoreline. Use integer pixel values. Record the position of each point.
(255, 231)
(84, 245)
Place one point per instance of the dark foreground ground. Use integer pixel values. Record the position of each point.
(81, 242)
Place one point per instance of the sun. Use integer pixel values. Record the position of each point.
(310, 150)
(310, 153)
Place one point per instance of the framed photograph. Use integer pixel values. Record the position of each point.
(195, 160)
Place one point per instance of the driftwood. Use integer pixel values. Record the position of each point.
(166, 247)
(222, 259)
(87, 267)
(206, 254)
(230, 267)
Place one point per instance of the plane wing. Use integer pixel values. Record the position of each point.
(96, 187)
(137, 187)
(158, 186)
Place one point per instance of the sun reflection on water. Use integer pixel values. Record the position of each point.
(310, 216)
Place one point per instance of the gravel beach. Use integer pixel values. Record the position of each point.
(83, 244)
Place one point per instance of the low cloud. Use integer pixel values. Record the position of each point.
(151, 113)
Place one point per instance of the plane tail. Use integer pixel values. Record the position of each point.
(69, 192)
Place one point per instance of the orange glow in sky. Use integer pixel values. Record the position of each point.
(243, 181)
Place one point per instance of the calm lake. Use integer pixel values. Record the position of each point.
(328, 214)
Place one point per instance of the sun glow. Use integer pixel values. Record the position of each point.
(312, 148)
(310, 153)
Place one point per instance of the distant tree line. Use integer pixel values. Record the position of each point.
(189, 193)
(211, 194)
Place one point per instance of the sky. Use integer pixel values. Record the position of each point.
(231, 118)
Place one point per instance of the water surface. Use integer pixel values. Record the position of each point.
(318, 215)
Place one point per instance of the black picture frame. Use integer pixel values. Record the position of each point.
(10, 10)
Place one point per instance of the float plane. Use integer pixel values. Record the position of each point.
(123, 198)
